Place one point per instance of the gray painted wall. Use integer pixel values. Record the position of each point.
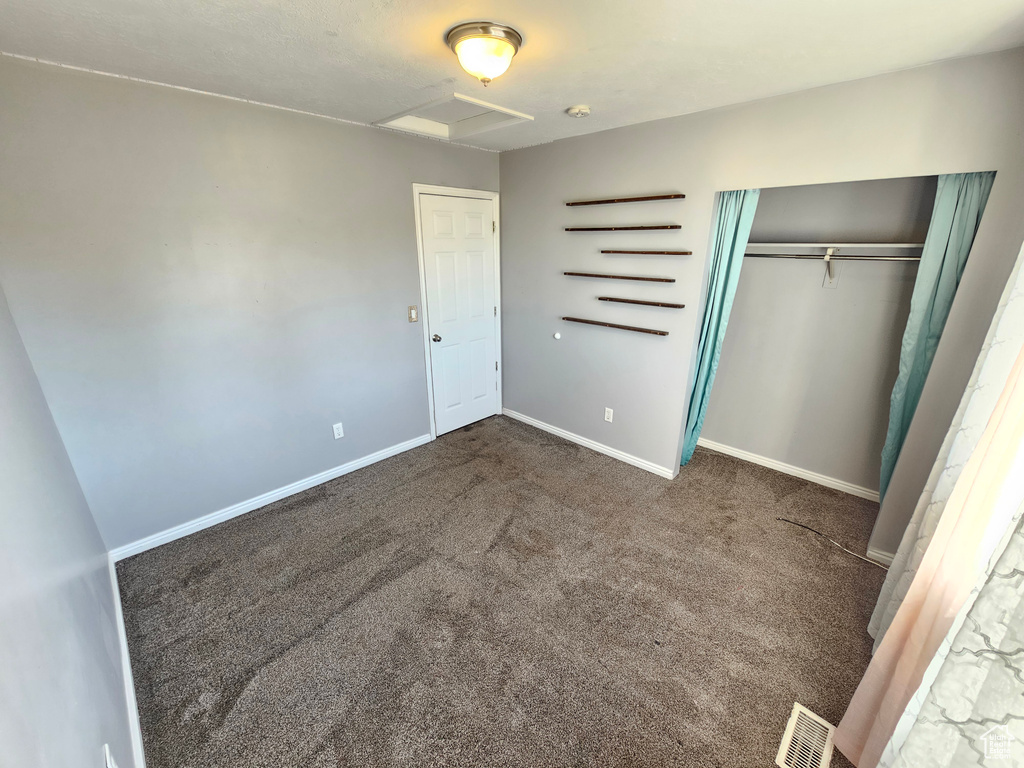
(962, 115)
(204, 287)
(62, 695)
(806, 371)
(877, 211)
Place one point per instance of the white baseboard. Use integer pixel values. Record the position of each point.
(789, 469)
(880, 556)
(134, 725)
(592, 445)
(206, 521)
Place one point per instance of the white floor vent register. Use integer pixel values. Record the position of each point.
(807, 742)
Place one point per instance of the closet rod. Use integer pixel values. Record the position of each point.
(833, 257)
(835, 245)
(831, 254)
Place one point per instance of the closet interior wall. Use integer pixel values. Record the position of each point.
(806, 371)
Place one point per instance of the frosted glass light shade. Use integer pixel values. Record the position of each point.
(485, 58)
(485, 49)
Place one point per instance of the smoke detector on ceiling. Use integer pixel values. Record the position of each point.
(580, 110)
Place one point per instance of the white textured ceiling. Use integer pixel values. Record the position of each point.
(364, 60)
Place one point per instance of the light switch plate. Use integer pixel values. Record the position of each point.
(414, 314)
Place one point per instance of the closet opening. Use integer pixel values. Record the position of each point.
(812, 348)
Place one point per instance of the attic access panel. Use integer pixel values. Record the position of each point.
(453, 117)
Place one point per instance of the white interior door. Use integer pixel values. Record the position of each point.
(461, 313)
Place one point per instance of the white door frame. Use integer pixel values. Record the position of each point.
(476, 194)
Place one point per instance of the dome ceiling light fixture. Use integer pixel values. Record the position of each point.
(485, 49)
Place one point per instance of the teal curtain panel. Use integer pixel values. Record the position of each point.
(732, 230)
(960, 201)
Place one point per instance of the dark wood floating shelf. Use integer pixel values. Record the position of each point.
(655, 253)
(624, 229)
(665, 304)
(622, 277)
(644, 199)
(616, 325)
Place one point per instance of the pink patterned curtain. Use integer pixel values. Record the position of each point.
(973, 522)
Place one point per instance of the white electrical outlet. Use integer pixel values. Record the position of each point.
(108, 759)
(608, 414)
(338, 431)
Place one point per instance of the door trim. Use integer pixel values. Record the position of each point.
(476, 194)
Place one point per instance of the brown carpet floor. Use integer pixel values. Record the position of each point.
(502, 597)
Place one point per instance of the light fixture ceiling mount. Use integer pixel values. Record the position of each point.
(485, 49)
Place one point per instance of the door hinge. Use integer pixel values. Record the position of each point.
(494, 226)
(495, 365)
(495, 311)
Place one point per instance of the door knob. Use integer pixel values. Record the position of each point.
(436, 337)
